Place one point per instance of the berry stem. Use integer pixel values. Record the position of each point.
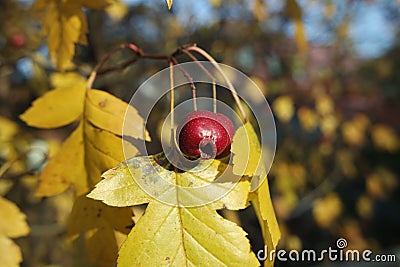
(192, 57)
(172, 99)
(230, 85)
(214, 87)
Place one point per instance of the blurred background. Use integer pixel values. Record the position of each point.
(329, 69)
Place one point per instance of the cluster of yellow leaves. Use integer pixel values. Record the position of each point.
(190, 235)
(93, 147)
(64, 24)
(12, 220)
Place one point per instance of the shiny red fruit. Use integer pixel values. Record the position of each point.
(205, 134)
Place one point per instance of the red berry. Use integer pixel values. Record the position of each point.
(18, 40)
(205, 134)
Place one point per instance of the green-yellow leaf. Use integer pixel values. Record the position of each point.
(175, 236)
(99, 222)
(169, 4)
(119, 188)
(211, 182)
(108, 112)
(264, 209)
(56, 108)
(12, 224)
(247, 151)
(66, 168)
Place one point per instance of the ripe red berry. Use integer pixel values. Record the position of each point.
(18, 40)
(205, 134)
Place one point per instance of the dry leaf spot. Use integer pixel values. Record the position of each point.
(102, 104)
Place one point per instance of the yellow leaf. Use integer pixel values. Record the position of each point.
(295, 13)
(8, 129)
(66, 168)
(56, 108)
(117, 10)
(177, 236)
(327, 209)
(284, 108)
(246, 150)
(108, 112)
(140, 179)
(99, 222)
(64, 24)
(266, 216)
(385, 138)
(300, 36)
(308, 118)
(12, 224)
(324, 105)
(119, 188)
(259, 10)
(10, 253)
(103, 151)
(329, 125)
(67, 79)
(169, 4)
(354, 131)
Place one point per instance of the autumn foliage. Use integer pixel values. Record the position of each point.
(63, 149)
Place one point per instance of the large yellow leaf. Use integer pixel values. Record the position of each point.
(12, 225)
(108, 112)
(176, 236)
(210, 182)
(57, 107)
(66, 168)
(103, 150)
(246, 150)
(98, 222)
